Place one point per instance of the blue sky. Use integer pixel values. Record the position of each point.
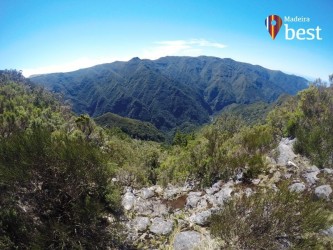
(39, 36)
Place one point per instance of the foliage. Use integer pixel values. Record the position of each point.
(309, 118)
(271, 220)
(54, 178)
(135, 128)
(219, 151)
(171, 91)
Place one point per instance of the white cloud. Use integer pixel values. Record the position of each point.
(192, 47)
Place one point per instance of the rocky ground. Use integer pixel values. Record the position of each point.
(177, 217)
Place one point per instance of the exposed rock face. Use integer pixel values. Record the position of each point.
(186, 240)
(323, 192)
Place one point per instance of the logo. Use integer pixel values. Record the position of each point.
(304, 32)
(273, 24)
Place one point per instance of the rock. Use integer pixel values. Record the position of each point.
(256, 181)
(193, 199)
(201, 218)
(311, 177)
(171, 192)
(328, 171)
(328, 232)
(248, 192)
(147, 193)
(223, 195)
(312, 169)
(128, 200)
(323, 192)
(186, 240)
(286, 152)
(297, 187)
(287, 176)
(160, 226)
(159, 209)
(290, 164)
(202, 204)
(143, 207)
(141, 223)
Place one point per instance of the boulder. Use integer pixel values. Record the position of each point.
(141, 223)
(223, 195)
(128, 200)
(160, 226)
(328, 171)
(311, 175)
(143, 207)
(323, 192)
(171, 192)
(186, 240)
(201, 218)
(286, 152)
(297, 187)
(147, 193)
(328, 232)
(193, 199)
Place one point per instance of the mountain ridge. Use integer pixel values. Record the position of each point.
(169, 91)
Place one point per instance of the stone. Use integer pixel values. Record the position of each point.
(286, 152)
(143, 207)
(193, 199)
(248, 192)
(312, 169)
(187, 240)
(223, 195)
(328, 171)
(171, 192)
(323, 192)
(212, 190)
(159, 209)
(328, 232)
(147, 193)
(297, 187)
(201, 218)
(160, 226)
(141, 223)
(256, 181)
(202, 204)
(291, 164)
(311, 177)
(128, 200)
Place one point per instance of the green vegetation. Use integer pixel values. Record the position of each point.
(171, 92)
(272, 220)
(134, 128)
(309, 118)
(218, 151)
(61, 175)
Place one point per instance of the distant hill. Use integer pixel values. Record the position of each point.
(134, 128)
(170, 91)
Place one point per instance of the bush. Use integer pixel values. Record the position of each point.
(269, 219)
(63, 187)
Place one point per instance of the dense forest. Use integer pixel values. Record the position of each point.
(62, 177)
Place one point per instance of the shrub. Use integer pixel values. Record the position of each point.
(269, 219)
